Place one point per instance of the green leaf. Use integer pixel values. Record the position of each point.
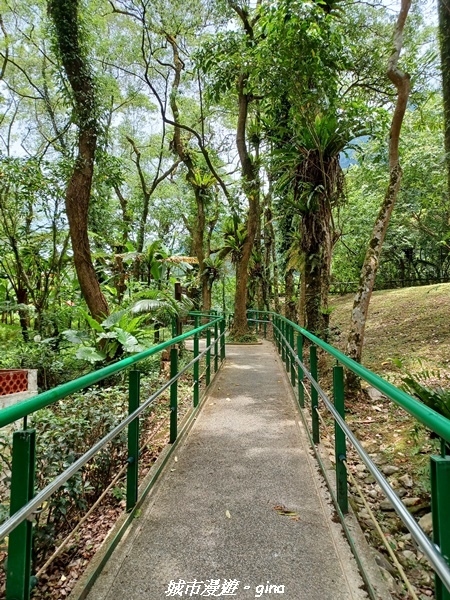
(128, 341)
(93, 324)
(74, 336)
(90, 354)
(113, 319)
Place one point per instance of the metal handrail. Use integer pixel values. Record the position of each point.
(28, 509)
(22, 409)
(427, 416)
(429, 549)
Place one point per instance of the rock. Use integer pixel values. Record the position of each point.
(369, 479)
(426, 523)
(383, 563)
(378, 459)
(401, 492)
(390, 581)
(389, 469)
(406, 480)
(372, 493)
(363, 514)
(386, 505)
(374, 394)
(361, 468)
(409, 555)
(411, 501)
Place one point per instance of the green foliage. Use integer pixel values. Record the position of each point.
(116, 335)
(426, 386)
(55, 364)
(161, 306)
(415, 246)
(248, 338)
(63, 432)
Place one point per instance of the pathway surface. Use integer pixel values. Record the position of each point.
(214, 526)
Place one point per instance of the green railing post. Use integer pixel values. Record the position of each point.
(173, 395)
(208, 357)
(287, 333)
(440, 509)
(283, 344)
(216, 347)
(291, 342)
(265, 325)
(277, 332)
(340, 448)
(314, 394)
(18, 571)
(133, 440)
(301, 375)
(222, 339)
(196, 368)
(174, 326)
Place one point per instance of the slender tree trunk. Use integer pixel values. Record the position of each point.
(251, 188)
(444, 37)
(290, 304)
(276, 287)
(369, 269)
(22, 298)
(199, 228)
(64, 14)
(268, 242)
(251, 183)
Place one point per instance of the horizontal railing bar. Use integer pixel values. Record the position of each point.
(427, 416)
(428, 548)
(22, 409)
(43, 495)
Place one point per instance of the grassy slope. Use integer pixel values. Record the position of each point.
(411, 324)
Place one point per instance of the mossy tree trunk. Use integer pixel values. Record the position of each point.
(66, 21)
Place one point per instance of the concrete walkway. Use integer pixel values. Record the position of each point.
(215, 525)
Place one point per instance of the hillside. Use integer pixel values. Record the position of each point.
(410, 324)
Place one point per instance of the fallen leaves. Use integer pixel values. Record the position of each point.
(285, 512)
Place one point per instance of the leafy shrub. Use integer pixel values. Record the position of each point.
(427, 386)
(116, 335)
(64, 432)
(55, 365)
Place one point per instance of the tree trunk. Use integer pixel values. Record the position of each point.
(77, 206)
(315, 238)
(444, 37)
(22, 298)
(369, 269)
(64, 14)
(276, 287)
(289, 306)
(268, 242)
(251, 188)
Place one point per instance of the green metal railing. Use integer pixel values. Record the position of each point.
(24, 503)
(290, 341)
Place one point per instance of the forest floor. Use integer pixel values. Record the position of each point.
(410, 325)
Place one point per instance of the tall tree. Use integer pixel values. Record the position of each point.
(401, 80)
(444, 36)
(69, 41)
(301, 54)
